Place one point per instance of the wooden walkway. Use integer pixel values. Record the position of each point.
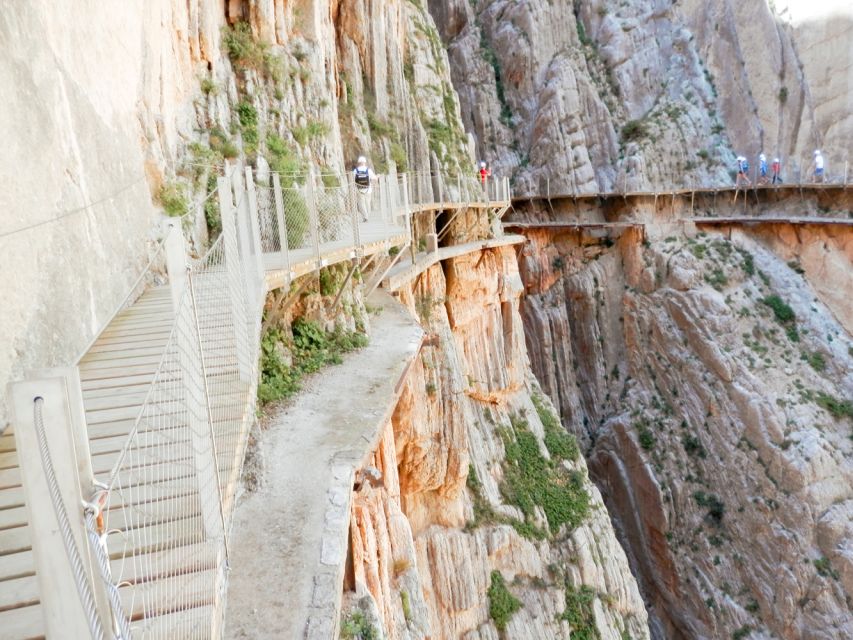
(116, 374)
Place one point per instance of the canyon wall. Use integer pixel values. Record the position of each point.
(713, 387)
(451, 508)
(115, 112)
(606, 95)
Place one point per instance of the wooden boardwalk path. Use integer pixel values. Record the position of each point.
(165, 565)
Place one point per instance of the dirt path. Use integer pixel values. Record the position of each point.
(288, 542)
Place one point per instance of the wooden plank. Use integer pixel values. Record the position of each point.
(14, 517)
(25, 623)
(16, 565)
(188, 624)
(19, 592)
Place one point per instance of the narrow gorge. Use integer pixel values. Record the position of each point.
(613, 410)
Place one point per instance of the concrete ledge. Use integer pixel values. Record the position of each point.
(404, 273)
(290, 537)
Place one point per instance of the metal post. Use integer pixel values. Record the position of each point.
(255, 223)
(176, 264)
(204, 440)
(311, 201)
(282, 224)
(243, 236)
(52, 444)
(235, 278)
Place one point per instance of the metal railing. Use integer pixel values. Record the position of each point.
(158, 520)
(307, 220)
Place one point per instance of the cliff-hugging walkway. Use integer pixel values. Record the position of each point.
(296, 524)
(148, 431)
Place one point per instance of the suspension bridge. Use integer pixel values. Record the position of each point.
(147, 430)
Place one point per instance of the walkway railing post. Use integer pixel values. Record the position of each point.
(235, 279)
(55, 463)
(176, 264)
(256, 225)
(284, 250)
(244, 235)
(314, 221)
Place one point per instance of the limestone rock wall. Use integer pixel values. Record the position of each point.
(599, 95)
(417, 533)
(712, 425)
(107, 105)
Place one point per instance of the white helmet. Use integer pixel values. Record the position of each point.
(817, 152)
(761, 156)
(483, 164)
(740, 158)
(362, 160)
(775, 159)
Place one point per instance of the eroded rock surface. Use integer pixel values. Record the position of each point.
(708, 382)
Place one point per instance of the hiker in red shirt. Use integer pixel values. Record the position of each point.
(484, 173)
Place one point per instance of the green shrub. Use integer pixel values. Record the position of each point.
(717, 279)
(398, 155)
(579, 613)
(356, 627)
(173, 198)
(742, 632)
(824, 568)
(781, 310)
(208, 86)
(646, 437)
(502, 604)
(634, 130)
(816, 360)
(716, 507)
(783, 313)
(560, 444)
(530, 481)
(244, 50)
(311, 131)
(692, 445)
(284, 160)
(783, 95)
(311, 349)
(838, 408)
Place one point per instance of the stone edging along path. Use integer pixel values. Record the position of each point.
(289, 547)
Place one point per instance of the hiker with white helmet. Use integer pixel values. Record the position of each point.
(762, 169)
(363, 178)
(742, 169)
(776, 169)
(484, 173)
(817, 165)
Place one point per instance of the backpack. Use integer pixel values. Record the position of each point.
(744, 166)
(362, 177)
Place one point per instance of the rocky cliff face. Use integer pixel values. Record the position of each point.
(605, 95)
(714, 390)
(451, 508)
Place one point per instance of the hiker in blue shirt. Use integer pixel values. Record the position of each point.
(762, 169)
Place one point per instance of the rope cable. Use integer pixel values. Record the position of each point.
(84, 589)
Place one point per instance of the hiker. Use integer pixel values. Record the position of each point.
(742, 169)
(363, 178)
(818, 166)
(775, 170)
(762, 169)
(484, 173)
